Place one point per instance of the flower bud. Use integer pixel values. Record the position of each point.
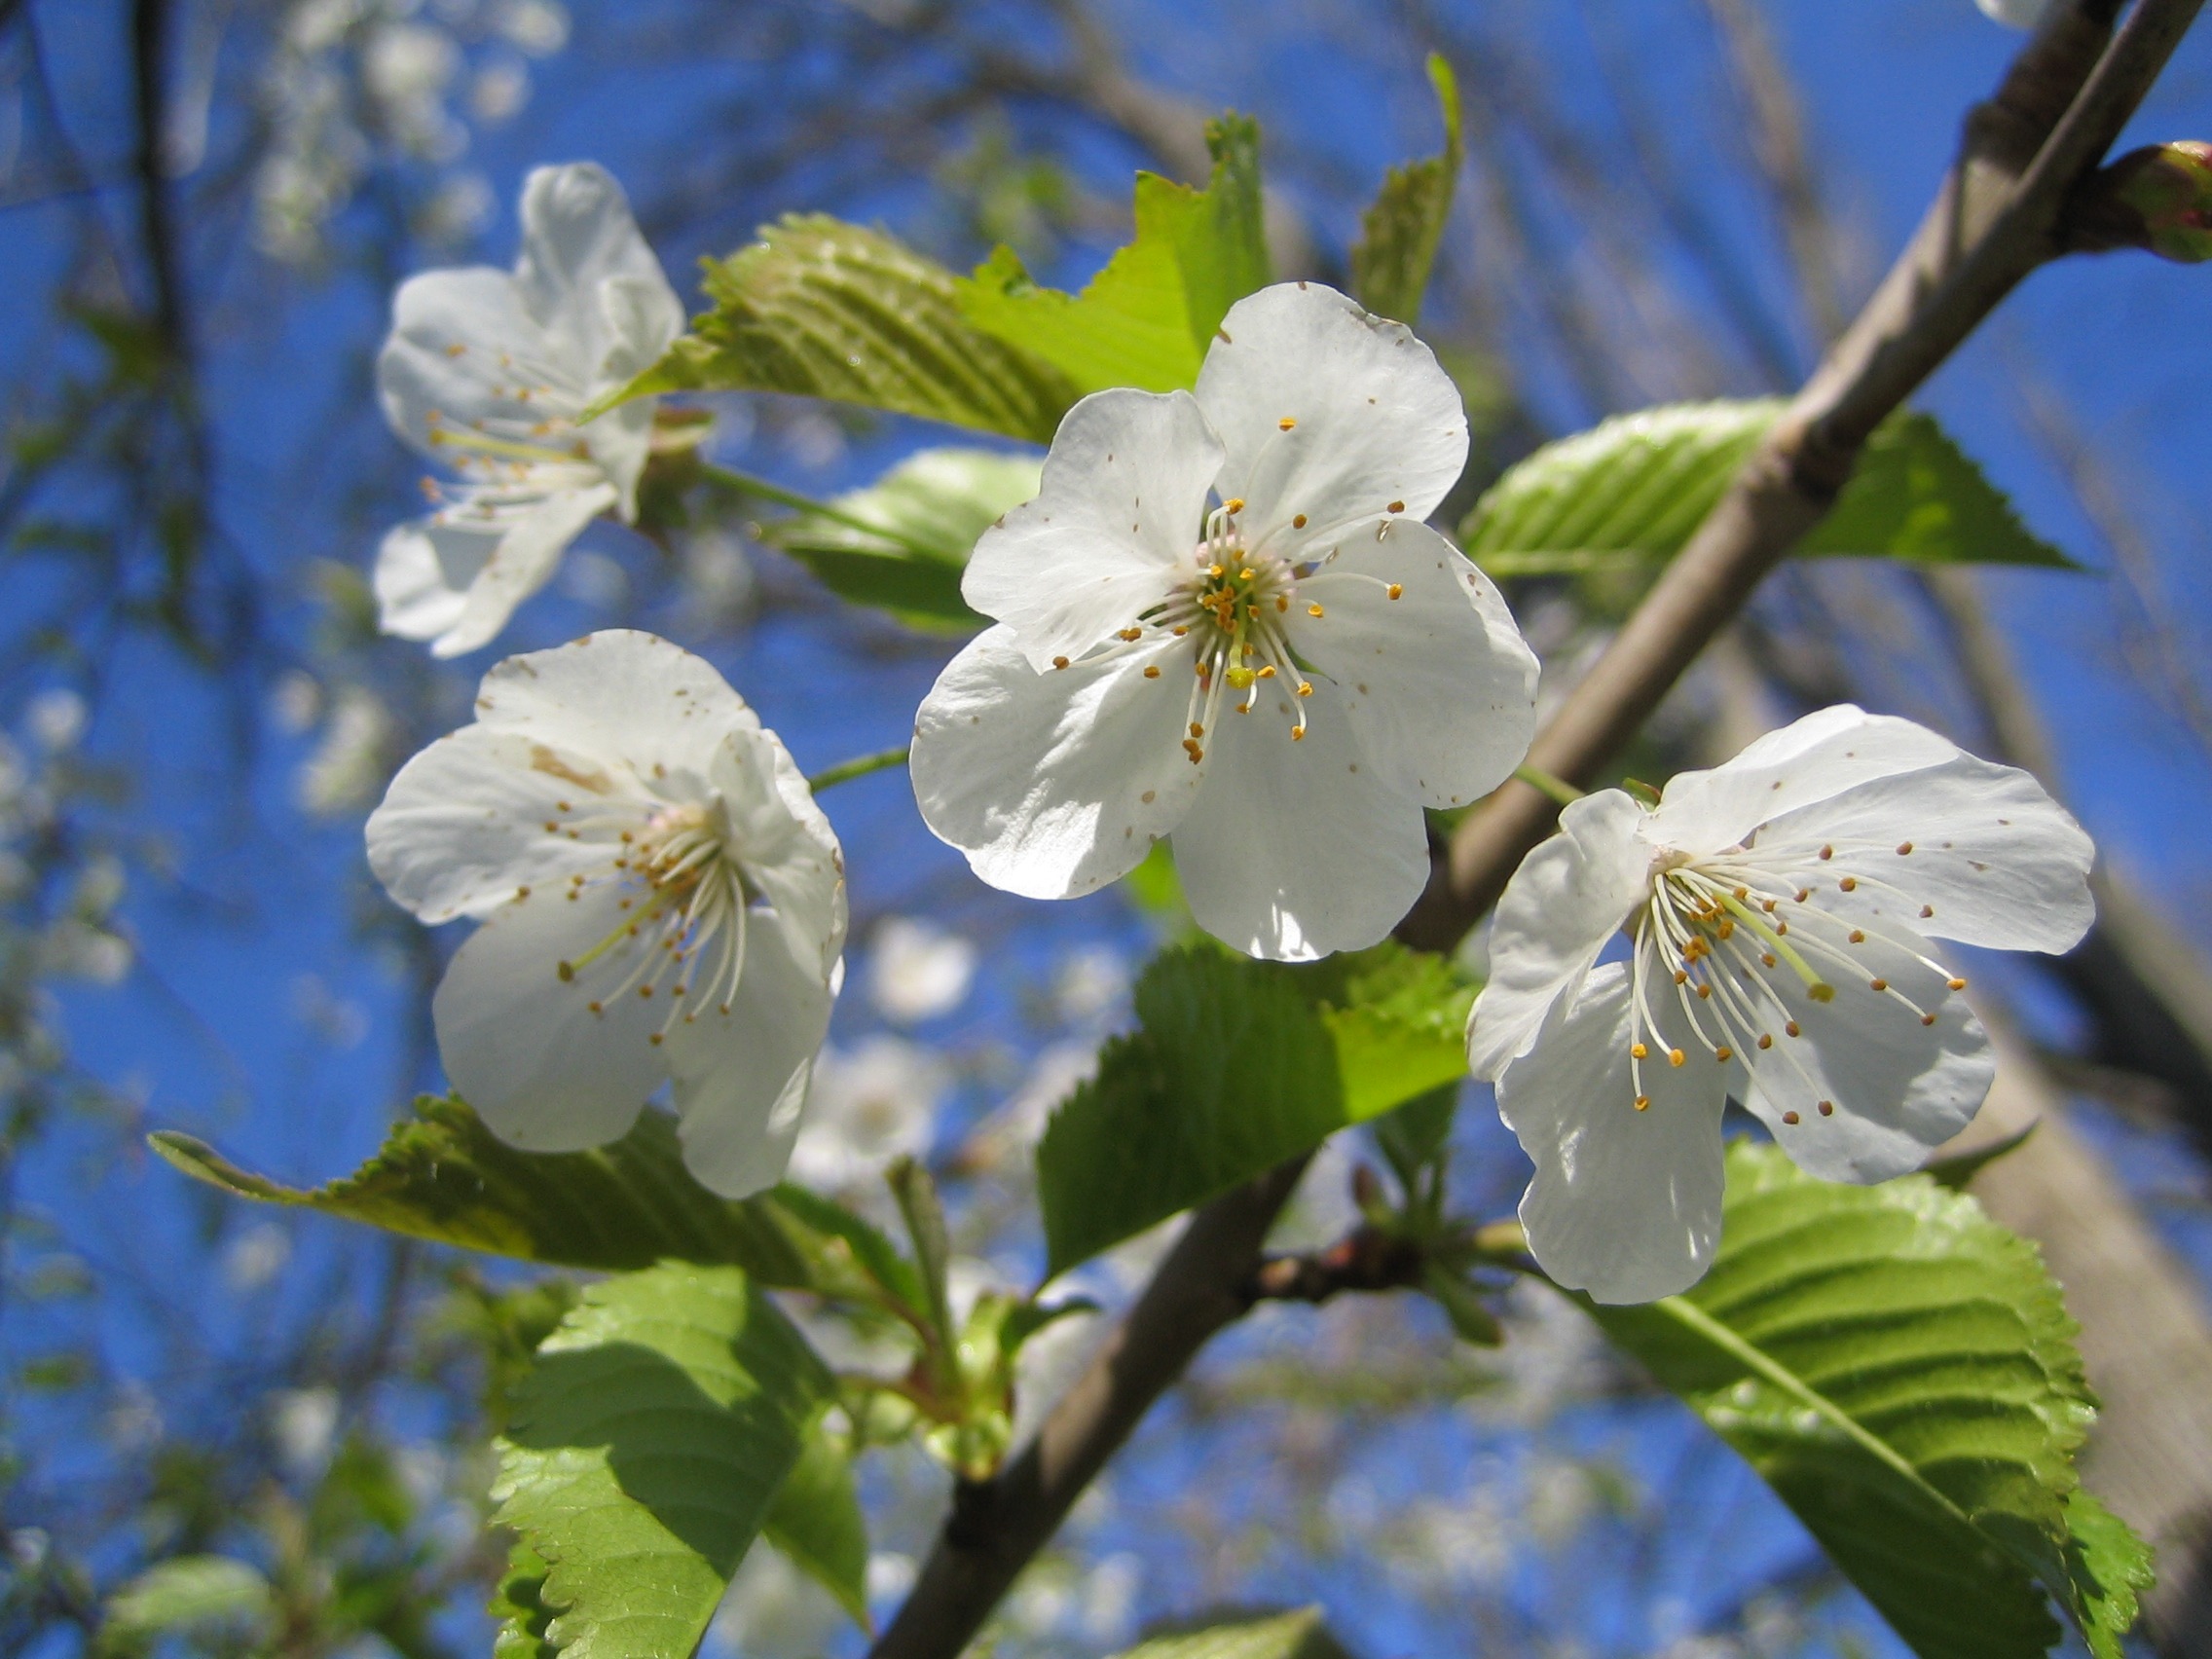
(2159, 199)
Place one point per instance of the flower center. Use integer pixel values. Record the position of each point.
(1719, 931)
(692, 910)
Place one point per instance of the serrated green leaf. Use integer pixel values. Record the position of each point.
(1634, 487)
(817, 1523)
(1902, 1371)
(823, 309)
(648, 1446)
(518, 1605)
(1228, 1073)
(924, 1214)
(1919, 497)
(934, 504)
(445, 1177)
(1146, 319)
(1400, 231)
(1235, 1066)
(199, 1593)
(1400, 1026)
(1299, 1635)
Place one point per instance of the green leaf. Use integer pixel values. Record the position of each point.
(1919, 497)
(857, 1255)
(1237, 1065)
(518, 1604)
(648, 1446)
(1414, 1136)
(445, 1177)
(824, 309)
(818, 1524)
(1902, 1371)
(924, 1214)
(199, 1593)
(1263, 1636)
(1632, 487)
(1399, 233)
(1400, 1026)
(1146, 319)
(1228, 1073)
(934, 505)
(1632, 483)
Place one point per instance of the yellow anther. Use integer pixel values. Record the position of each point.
(1397, 507)
(1827, 1108)
(1903, 847)
(1827, 851)
(1314, 611)
(1215, 572)
(1704, 990)
(1286, 422)
(1790, 1029)
(1857, 936)
(1725, 1054)
(1681, 977)
(1644, 1102)
(1305, 688)
(1130, 634)
(1151, 671)
(1059, 662)
(567, 971)
(1246, 574)
(1927, 1019)
(1638, 1052)
(1955, 984)
(1743, 892)
(1766, 1040)
(1926, 911)
(1268, 671)
(1675, 1056)
(1790, 1117)
(1394, 589)
(1298, 734)
(1235, 505)
(1767, 957)
(1282, 602)
(596, 1008)
(1850, 884)
(1298, 521)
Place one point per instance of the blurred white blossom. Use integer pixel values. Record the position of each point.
(869, 1104)
(303, 1424)
(256, 1256)
(1091, 985)
(56, 719)
(353, 757)
(917, 970)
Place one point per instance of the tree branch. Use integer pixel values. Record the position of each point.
(1995, 220)
(1996, 217)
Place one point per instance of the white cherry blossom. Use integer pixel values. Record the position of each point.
(1782, 911)
(485, 371)
(1221, 618)
(660, 899)
(2018, 14)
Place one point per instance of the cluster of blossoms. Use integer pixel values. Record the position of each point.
(1221, 621)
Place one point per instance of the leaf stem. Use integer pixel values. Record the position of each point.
(1559, 789)
(859, 766)
(746, 484)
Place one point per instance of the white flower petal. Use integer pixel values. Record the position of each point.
(791, 854)
(642, 317)
(1440, 686)
(1811, 760)
(1570, 896)
(462, 351)
(1055, 784)
(521, 1043)
(423, 572)
(1376, 425)
(576, 236)
(1898, 1088)
(630, 700)
(1297, 849)
(1122, 505)
(741, 1078)
(523, 562)
(1994, 860)
(464, 825)
(1625, 1204)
